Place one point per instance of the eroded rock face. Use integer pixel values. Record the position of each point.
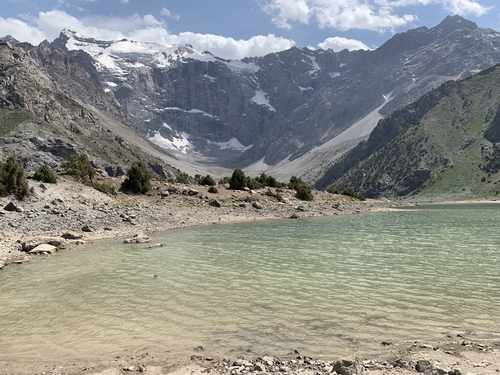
(279, 105)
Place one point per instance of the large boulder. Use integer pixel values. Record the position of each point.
(138, 238)
(72, 235)
(43, 249)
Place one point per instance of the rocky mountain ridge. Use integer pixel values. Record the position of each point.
(277, 107)
(291, 113)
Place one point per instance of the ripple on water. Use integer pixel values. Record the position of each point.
(320, 285)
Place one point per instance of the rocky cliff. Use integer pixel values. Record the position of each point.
(41, 123)
(276, 107)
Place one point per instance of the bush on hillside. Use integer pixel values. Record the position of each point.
(207, 181)
(79, 166)
(303, 189)
(45, 174)
(13, 179)
(213, 189)
(238, 180)
(138, 178)
(182, 178)
(348, 191)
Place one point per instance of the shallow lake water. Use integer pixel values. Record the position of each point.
(324, 286)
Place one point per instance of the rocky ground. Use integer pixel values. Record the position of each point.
(57, 216)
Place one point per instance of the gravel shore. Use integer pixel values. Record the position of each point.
(68, 213)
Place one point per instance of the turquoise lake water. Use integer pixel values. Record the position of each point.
(323, 286)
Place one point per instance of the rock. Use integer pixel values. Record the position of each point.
(88, 228)
(294, 216)
(164, 194)
(43, 248)
(10, 207)
(259, 367)
(193, 192)
(29, 245)
(155, 246)
(300, 208)
(129, 368)
(2, 264)
(242, 205)
(71, 235)
(423, 366)
(257, 205)
(138, 238)
(214, 203)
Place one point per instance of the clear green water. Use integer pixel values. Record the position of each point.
(324, 286)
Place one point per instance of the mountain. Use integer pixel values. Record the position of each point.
(446, 144)
(272, 112)
(9, 38)
(42, 123)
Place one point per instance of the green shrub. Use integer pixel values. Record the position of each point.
(207, 180)
(333, 190)
(224, 180)
(213, 189)
(105, 188)
(182, 178)
(303, 189)
(348, 191)
(45, 174)
(139, 178)
(238, 180)
(79, 166)
(13, 179)
(304, 192)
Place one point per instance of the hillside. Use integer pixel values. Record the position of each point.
(444, 145)
(41, 123)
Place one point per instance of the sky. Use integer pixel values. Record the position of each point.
(234, 29)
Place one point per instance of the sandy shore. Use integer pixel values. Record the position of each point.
(68, 214)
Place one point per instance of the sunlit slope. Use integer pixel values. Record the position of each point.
(443, 145)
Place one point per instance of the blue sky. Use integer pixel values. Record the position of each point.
(238, 28)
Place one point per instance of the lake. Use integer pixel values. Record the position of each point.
(324, 286)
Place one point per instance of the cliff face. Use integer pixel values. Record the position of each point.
(276, 107)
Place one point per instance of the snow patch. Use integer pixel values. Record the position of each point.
(305, 88)
(260, 98)
(179, 143)
(334, 74)
(212, 79)
(112, 84)
(191, 111)
(233, 144)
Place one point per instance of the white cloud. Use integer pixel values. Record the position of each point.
(167, 13)
(377, 15)
(124, 1)
(338, 44)
(48, 25)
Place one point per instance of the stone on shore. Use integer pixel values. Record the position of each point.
(29, 245)
(43, 248)
(10, 207)
(88, 228)
(72, 235)
(138, 238)
(214, 203)
(257, 205)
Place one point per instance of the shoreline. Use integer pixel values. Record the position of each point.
(68, 214)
